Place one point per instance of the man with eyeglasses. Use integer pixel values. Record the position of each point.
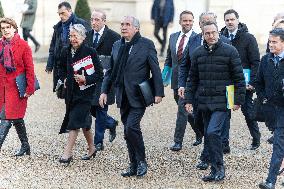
(60, 38)
(214, 65)
(193, 43)
(102, 38)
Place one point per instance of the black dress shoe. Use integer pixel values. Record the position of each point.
(142, 168)
(266, 185)
(112, 132)
(66, 161)
(220, 174)
(99, 147)
(176, 146)
(197, 142)
(203, 165)
(254, 146)
(215, 176)
(281, 171)
(86, 157)
(130, 171)
(270, 140)
(226, 149)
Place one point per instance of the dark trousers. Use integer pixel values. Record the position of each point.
(103, 122)
(182, 118)
(213, 150)
(247, 110)
(158, 26)
(131, 118)
(278, 146)
(27, 34)
(226, 130)
(270, 119)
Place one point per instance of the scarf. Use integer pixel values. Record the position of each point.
(6, 55)
(123, 54)
(65, 29)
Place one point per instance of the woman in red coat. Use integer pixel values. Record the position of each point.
(15, 59)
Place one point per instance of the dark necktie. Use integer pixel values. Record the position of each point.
(180, 47)
(276, 61)
(231, 36)
(96, 40)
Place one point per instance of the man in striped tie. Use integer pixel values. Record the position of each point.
(177, 43)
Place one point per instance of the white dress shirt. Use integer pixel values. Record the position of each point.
(188, 34)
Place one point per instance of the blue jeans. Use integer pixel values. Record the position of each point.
(103, 122)
(278, 146)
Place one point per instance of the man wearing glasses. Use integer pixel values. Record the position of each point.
(214, 65)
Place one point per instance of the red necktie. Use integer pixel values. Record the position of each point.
(180, 47)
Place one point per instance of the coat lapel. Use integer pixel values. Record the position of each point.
(174, 42)
(103, 36)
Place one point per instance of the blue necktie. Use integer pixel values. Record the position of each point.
(276, 61)
(231, 36)
(96, 40)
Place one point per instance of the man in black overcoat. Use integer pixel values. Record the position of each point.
(133, 59)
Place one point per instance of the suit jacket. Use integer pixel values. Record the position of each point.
(141, 61)
(191, 46)
(172, 59)
(104, 48)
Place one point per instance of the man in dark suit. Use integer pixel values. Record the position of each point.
(132, 60)
(270, 90)
(215, 65)
(102, 39)
(247, 47)
(177, 43)
(193, 43)
(162, 14)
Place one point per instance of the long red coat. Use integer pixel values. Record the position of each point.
(15, 107)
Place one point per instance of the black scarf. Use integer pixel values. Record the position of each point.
(123, 54)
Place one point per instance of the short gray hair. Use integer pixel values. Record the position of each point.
(135, 21)
(79, 28)
(207, 13)
(100, 11)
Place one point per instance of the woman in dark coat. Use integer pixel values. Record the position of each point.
(15, 59)
(80, 69)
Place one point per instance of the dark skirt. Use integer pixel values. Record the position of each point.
(77, 116)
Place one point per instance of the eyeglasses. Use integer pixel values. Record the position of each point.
(208, 34)
(6, 27)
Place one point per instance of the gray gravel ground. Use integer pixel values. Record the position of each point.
(244, 168)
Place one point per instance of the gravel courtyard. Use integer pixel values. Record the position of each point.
(167, 169)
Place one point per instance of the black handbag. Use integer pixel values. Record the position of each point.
(60, 90)
(259, 112)
(147, 92)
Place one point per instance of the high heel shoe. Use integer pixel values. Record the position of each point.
(67, 161)
(86, 157)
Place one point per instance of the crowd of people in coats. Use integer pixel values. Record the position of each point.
(98, 67)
